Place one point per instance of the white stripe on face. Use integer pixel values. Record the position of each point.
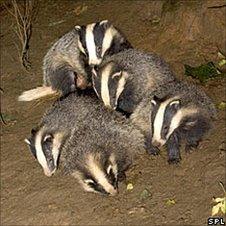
(104, 85)
(57, 141)
(121, 85)
(40, 155)
(90, 44)
(81, 47)
(158, 122)
(108, 37)
(114, 165)
(178, 117)
(100, 176)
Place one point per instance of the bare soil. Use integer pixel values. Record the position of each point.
(183, 32)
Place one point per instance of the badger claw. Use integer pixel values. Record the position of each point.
(153, 150)
(174, 160)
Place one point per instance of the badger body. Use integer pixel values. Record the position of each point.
(95, 145)
(172, 113)
(123, 79)
(67, 65)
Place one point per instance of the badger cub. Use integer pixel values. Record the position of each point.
(123, 79)
(92, 144)
(174, 112)
(68, 62)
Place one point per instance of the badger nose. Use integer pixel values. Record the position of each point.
(113, 192)
(108, 107)
(156, 144)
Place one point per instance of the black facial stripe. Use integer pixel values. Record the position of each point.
(112, 179)
(31, 140)
(153, 114)
(170, 111)
(112, 87)
(95, 186)
(98, 32)
(82, 37)
(47, 147)
(32, 146)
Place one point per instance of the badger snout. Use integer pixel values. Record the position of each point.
(49, 173)
(113, 192)
(156, 144)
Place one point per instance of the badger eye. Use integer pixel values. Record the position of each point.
(98, 48)
(165, 128)
(89, 181)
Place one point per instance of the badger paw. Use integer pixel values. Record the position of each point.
(174, 160)
(153, 150)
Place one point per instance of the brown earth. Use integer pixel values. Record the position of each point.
(183, 32)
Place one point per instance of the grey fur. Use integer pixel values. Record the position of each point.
(63, 62)
(66, 64)
(89, 128)
(145, 71)
(190, 97)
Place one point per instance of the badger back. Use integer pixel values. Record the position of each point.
(123, 79)
(99, 151)
(175, 106)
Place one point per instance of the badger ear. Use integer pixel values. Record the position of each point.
(77, 28)
(189, 124)
(175, 104)
(109, 169)
(155, 100)
(104, 22)
(34, 131)
(117, 74)
(48, 138)
(27, 141)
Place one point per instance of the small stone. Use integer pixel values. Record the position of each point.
(170, 202)
(129, 186)
(145, 194)
(222, 105)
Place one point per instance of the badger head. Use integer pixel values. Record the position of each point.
(168, 115)
(100, 39)
(109, 81)
(98, 173)
(45, 146)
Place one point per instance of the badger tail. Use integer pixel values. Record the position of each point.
(36, 93)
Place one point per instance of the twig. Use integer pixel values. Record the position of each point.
(24, 12)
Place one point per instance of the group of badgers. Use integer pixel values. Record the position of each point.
(144, 107)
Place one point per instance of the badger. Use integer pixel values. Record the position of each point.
(91, 143)
(174, 112)
(123, 79)
(68, 62)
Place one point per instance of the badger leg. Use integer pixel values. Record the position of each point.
(195, 133)
(121, 176)
(191, 144)
(63, 79)
(149, 147)
(173, 149)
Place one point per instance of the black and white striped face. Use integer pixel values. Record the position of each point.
(109, 82)
(45, 148)
(166, 117)
(98, 174)
(98, 40)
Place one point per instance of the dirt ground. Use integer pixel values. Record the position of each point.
(183, 32)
